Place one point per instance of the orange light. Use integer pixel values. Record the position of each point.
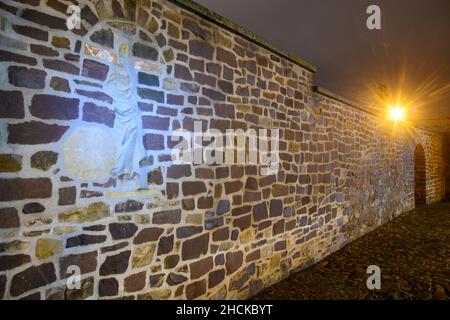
(397, 113)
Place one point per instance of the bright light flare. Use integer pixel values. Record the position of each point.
(397, 113)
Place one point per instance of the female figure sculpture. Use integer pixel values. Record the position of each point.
(121, 85)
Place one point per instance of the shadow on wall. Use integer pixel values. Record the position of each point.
(420, 178)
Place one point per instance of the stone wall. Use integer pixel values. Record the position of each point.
(434, 144)
(197, 231)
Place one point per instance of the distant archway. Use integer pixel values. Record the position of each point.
(420, 176)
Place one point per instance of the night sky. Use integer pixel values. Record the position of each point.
(410, 54)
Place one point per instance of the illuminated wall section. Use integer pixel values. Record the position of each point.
(88, 187)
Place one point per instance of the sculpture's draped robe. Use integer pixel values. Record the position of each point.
(127, 124)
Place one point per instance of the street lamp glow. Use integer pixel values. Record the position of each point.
(397, 113)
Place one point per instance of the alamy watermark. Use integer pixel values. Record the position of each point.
(374, 280)
(74, 20)
(238, 146)
(373, 22)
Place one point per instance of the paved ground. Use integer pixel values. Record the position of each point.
(413, 253)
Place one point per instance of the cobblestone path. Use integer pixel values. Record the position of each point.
(413, 253)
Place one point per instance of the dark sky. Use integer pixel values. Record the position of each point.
(410, 54)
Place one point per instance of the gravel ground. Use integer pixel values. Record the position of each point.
(413, 253)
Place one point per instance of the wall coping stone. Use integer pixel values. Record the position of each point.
(241, 31)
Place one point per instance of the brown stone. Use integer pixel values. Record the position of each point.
(280, 190)
(135, 282)
(266, 181)
(221, 234)
(182, 72)
(15, 57)
(98, 114)
(44, 19)
(155, 123)
(233, 261)
(34, 132)
(175, 99)
(84, 240)
(224, 110)
(226, 56)
(215, 277)
(167, 217)
(122, 230)
(252, 256)
(150, 94)
(87, 262)
(43, 50)
(95, 227)
(213, 94)
(96, 95)
(276, 207)
(95, 70)
(201, 267)
(9, 262)
(241, 210)
(156, 280)
(115, 247)
(60, 84)
(251, 184)
(165, 245)
(108, 287)
(260, 211)
(27, 78)
(278, 227)
(193, 187)
(187, 231)
(47, 106)
(153, 141)
(61, 66)
(129, 206)
(88, 15)
(31, 32)
(103, 37)
(21, 188)
(179, 171)
(204, 173)
(195, 289)
(188, 204)
(148, 235)
(115, 264)
(195, 247)
(146, 52)
(233, 186)
(196, 29)
(175, 279)
(205, 202)
(31, 278)
(33, 207)
(201, 49)
(226, 86)
(67, 196)
(12, 105)
(172, 190)
(171, 261)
